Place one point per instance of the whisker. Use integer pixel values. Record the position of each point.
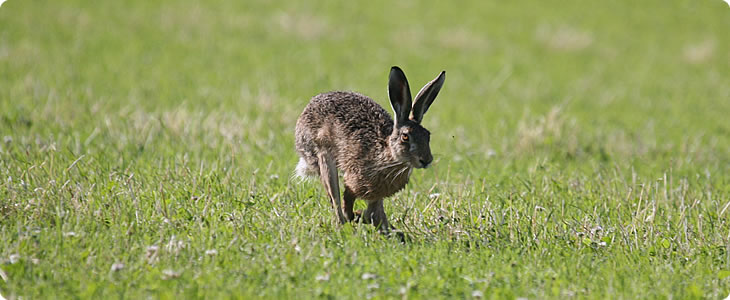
(399, 173)
(391, 172)
(378, 169)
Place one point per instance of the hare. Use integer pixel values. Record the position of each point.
(350, 132)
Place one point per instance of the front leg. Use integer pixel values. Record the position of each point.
(375, 214)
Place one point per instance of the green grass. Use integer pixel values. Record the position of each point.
(582, 149)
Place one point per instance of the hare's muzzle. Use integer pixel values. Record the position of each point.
(425, 162)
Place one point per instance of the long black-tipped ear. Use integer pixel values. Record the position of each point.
(425, 97)
(400, 94)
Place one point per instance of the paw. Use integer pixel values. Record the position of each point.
(358, 216)
(395, 233)
(400, 236)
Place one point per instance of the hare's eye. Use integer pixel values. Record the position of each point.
(404, 137)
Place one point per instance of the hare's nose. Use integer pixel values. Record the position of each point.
(425, 162)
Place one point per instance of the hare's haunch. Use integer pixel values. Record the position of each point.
(351, 133)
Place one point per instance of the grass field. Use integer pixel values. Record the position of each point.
(582, 149)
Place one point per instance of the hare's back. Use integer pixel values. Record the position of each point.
(351, 113)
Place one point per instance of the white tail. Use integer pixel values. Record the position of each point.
(303, 171)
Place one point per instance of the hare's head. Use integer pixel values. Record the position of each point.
(409, 141)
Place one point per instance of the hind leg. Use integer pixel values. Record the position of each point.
(328, 175)
(349, 197)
